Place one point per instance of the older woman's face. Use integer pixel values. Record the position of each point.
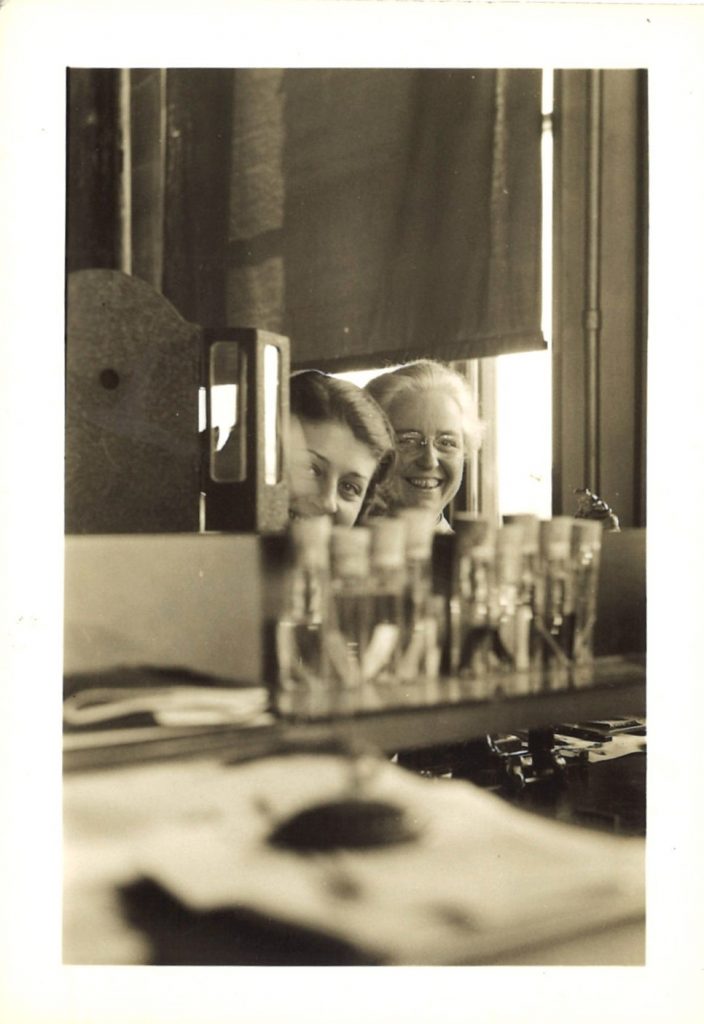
(329, 472)
(428, 426)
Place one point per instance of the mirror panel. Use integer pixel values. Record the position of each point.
(227, 397)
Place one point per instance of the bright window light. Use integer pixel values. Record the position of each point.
(524, 381)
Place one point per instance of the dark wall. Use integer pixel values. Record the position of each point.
(177, 154)
(94, 158)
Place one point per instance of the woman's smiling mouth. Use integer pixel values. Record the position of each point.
(424, 483)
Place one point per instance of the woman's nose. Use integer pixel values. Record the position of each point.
(427, 456)
(327, 498)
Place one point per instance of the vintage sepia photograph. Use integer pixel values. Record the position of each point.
(355, 428)
(356, 627)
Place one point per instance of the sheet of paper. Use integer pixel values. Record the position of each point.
(482, 876)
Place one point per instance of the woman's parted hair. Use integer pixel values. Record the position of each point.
(424, 375)
(318, 396)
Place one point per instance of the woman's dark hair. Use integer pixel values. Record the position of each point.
(320, 397)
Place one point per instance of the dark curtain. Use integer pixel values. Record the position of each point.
(379, 215)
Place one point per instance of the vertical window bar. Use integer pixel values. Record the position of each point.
(546, 153)
(163, 125)
(125, 115)
(592, 314)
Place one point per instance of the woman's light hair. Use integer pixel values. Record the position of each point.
(425, 375)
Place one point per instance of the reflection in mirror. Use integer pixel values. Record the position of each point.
(227, 398)
(272, 426)
(224, 412)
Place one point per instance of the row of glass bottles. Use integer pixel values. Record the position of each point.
(521, 603)
(390, 615)
(360, 627)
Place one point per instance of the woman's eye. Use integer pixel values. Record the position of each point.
(305, 468)
(448, 444)
(349, 490)
(408, 442)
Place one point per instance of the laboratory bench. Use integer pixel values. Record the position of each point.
(616, 686)
(168, 818)
(168, 854)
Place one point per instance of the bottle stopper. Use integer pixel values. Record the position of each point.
(388, 547)
(350, 551)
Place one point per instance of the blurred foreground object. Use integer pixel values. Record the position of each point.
(482, 882)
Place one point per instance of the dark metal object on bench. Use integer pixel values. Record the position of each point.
(135, 460)
(132, 458)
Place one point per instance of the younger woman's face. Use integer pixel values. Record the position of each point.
(329, 470)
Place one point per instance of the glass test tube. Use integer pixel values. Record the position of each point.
(382, 657)
(419, 664)
(473, 604)
(301, 649)
(586, 550)
(511, 647)
(529, 604)
(350, 619)
(557, 620)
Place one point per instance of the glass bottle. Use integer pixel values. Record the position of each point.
(303, 669)
(473, 604)
(529, 604)
(419, 666)
(586, 550)
(510, 650)
(557, 621)
(350, 619)
(381, 659)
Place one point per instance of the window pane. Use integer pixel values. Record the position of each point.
(524, 382)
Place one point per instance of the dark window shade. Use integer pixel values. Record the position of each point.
(196, 191)
(383, 215)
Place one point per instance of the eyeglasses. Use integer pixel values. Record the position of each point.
(410, 442)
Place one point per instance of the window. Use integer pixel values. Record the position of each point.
(523, 415)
